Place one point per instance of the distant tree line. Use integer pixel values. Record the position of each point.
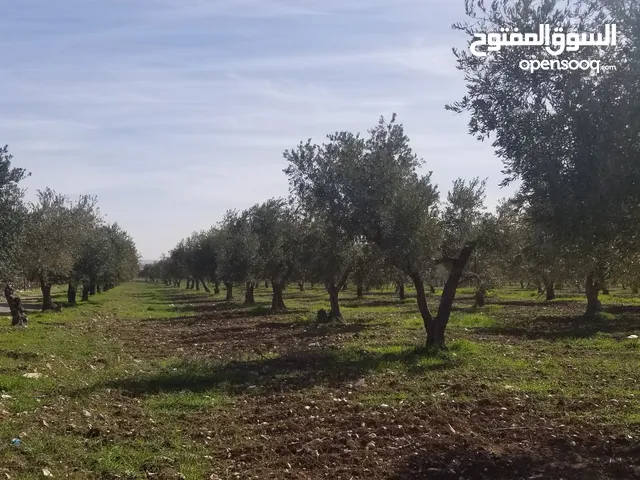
(55, 240)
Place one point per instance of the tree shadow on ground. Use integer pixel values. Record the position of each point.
(364, 302)
(293, 372)
(27, 306)
(551, 458)
(623, 309)
(532, 303)
(230, 310)
(562, 327)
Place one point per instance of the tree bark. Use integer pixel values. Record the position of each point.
(197, 284)
(522, 284)
(98, 290)
(92, 289)
(334, 313)
(401, 293)
(248, 294)
(266, 284)
(85, 292)
(480, 297)
(551, 291)
(71, 294)
(301, 285)
(47, 301)
(229, 287)
(359, 291)
(592, 290)
(205, 286)
(436, 326)
(18, 315)
(427, 318)
(216, 287)
(277, 302)
(635, 289)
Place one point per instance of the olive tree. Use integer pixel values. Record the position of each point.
(277, 235)
(569, 137)
(238, 248)
(317, 176)
(397, 208)
(12, 216)
(53, 233)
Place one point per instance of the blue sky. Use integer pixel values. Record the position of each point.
(173, 111)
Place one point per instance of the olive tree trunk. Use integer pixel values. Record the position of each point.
(592, 290)
(334, 313)
(18, 315)
(47, 300)
(229, 287)
(436, 326)
(248, 294)
(277, 302)
(85, 292)
(401, 293)
(71, 294)
(480, 297)
(551, 291)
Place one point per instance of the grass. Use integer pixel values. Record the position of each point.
(149, 381)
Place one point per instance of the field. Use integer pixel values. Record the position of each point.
(149, 381)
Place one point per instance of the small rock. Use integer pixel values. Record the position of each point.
(371, 445)
(46, 472)
(32, 375)
(360, 383)
(632, 337)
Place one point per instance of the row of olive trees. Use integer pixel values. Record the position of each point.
(57, 241)
(359, 210)
(570, 138)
